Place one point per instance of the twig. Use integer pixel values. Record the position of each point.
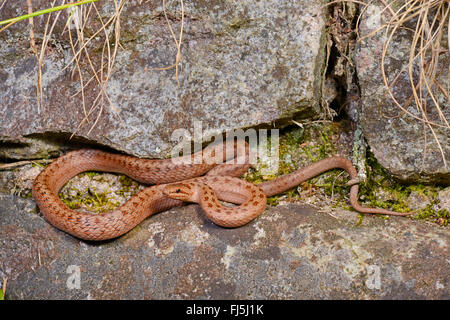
(4, 166)
(177, 41)
(32, 40)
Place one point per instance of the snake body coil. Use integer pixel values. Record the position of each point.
(174, 184)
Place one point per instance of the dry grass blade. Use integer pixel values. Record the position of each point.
(177, 41)
(98, 73)
(110, 58)
(2, 4)
(430, 20)
(46, 37)
(76, 16)
(7, 166)
(109, 54)
(111, 20)
(32, 40)
(424, 54)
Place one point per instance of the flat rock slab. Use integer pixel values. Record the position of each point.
(243, 64)
(290, 252)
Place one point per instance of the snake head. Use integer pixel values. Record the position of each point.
(181, 191)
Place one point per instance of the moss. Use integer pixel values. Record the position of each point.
(322, 150)
(298, 147)
(427, 191)
(100, 201)
(360, 219)
(379, 182)
(399, 194)
(28, 195)
(238, 22)
(40, 165)
(440, 216)
(126, 181)
(94, 202)
(90, 174)
(273, 201)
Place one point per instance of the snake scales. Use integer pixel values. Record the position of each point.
(173, 184)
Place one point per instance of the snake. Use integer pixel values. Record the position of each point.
(172, 184)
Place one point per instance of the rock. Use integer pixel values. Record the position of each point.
(418, 200)
(242, 64)
(289, 252)
(401, 143)
(444, 198)
(19, 181)
(39, 146)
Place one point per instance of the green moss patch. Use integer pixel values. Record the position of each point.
(86, 191)
(398, 196)
(301, 146)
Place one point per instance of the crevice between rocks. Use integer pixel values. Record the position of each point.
(44, 145)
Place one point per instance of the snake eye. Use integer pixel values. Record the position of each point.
(178, 191)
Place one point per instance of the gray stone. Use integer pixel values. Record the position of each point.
(444, 198)
(289, 252)
(401, 143)
(244, 63)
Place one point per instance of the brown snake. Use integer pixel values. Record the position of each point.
(175, 183)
